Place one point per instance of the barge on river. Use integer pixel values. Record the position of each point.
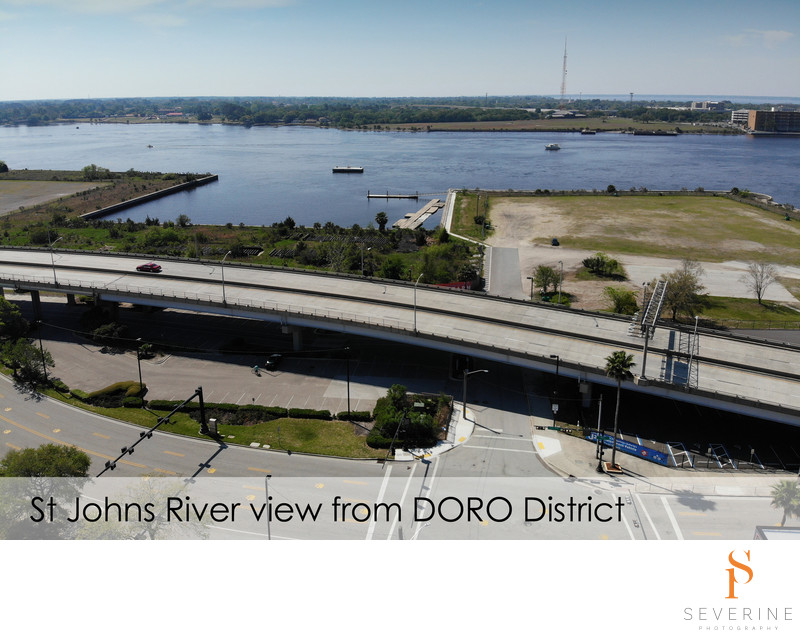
(348, 169)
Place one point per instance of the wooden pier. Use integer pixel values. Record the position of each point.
(415, 220)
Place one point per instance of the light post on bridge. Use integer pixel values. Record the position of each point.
(415, 301)
(53, 259)
(222, 270)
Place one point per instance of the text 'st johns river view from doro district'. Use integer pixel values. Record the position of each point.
(269, 173)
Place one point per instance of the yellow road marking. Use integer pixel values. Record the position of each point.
(44, 416)
(706, 533)
(6, 431)
(8, 410)
(60, 442)
(56, 430)
(173, 453)
(319, 486)
(102, 436)
(258, 469)
(540, 444)
(15, 447)
(211, 470)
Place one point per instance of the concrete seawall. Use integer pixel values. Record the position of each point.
(108, 210)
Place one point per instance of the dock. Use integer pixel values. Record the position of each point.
(371, 195)
(415, 220)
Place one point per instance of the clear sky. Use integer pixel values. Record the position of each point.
(144, 48)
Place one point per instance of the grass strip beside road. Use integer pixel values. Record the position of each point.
(308, 436)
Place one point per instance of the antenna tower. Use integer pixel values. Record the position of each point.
(564, 76)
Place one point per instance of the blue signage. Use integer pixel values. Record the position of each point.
(646, 453)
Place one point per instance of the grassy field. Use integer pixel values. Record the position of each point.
(732, 312)
(705, 228)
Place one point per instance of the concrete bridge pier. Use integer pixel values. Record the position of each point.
(36, 302)
(586, 393)
(297, 336)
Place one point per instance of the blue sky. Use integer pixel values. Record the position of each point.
(126, 48)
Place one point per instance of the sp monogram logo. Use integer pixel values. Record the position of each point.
(732, 573)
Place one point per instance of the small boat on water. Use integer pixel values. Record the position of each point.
(552, 147)
(587, 131)
(348, 169)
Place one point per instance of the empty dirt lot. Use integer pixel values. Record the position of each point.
(649, 235)
(16, 194)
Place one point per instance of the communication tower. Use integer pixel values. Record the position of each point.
(564, 77)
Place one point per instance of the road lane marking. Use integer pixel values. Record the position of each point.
(173, 453)
(498, 449)
(706, 534)
(60, 442)
(381, 492)
(258, 469)
(672, 518)
(44, 416)
(13, 447)
(102, 436)
(647, 515)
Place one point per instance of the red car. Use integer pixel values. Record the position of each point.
(150, 266)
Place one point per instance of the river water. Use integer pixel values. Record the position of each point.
(268, 173)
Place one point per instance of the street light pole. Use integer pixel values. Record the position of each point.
(555, 390)
(222, 270)
(53, 259)
(467, 373)
(691, 353)
(415, 301)
(560, 280)
(531, 278)
(139, 361)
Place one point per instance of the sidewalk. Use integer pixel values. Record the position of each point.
(575, 459)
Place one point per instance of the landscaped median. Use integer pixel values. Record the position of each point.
(297, 430)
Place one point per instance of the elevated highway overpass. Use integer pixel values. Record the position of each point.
(744, 375)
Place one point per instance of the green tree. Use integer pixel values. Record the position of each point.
(183, 220)
(786, 495)
(12, 324)
(28, 362)
(46, 460)
(623, 301)
(392, 268)
(618, 366)
(685, 294)
(601, 265)
(381, 219)
(544, 277)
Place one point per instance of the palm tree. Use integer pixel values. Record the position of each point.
(786, 494)
(381, 219)
(618, 366)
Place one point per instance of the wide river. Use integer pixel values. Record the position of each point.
(267, 174)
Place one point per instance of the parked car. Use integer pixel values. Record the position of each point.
(150, 266)
(273, 361)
